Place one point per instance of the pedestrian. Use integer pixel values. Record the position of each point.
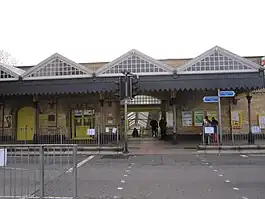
(215, 123)
(163, 126)
(154, 126)
(206, 123)
(135, 133)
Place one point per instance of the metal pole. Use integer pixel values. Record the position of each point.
(41, 172)
(25, 135)
(75, 171)
(126, 115)
(220, 118)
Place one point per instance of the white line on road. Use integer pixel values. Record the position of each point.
(122, 181)
(220, 175)
(257, 155)
(81, 163)
(215, 170)
(243, 156)
(227, 181)
(244, 197)
(125, 175)
(120, 188)
(235, 188)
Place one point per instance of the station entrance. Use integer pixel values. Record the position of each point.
(141, 110)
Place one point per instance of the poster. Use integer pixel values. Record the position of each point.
(8, 121)
(236, 119)
(261, 121)
(211, 114)
(187, 118)
(198, 118)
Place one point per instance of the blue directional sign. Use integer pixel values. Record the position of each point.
(227, 93)
(211, 99)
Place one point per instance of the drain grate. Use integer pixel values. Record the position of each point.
(115, 157)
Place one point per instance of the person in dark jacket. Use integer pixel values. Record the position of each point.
(135, 133)
(214, 125)
(163, 126)
(154, 126)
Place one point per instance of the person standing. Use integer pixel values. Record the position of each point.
(154, 126)
(206, 123)
(214, 125)
(163, 126)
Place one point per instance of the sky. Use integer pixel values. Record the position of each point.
(102, 30)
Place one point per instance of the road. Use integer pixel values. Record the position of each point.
(182, 176)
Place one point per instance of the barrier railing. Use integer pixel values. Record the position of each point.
(209, 137)
(38, 171)
(60, 136)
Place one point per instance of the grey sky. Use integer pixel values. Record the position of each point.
(102, 30)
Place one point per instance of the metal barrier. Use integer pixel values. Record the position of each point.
(232, 138)
(60, 136)
(38, 171)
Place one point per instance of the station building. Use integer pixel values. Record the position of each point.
(59, 97)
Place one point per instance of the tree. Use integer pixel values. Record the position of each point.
(6, 58)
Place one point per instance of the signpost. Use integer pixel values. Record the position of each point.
(227, 93)
(211, 99)
(217, 99)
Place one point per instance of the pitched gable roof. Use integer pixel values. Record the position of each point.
(9, 73)
(218, 60)
(56, 67)
(135, 62)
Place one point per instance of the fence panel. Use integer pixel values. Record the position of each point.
(38, 171)
(232, 138)
(53, 135)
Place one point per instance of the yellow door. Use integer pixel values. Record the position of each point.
(25, 123)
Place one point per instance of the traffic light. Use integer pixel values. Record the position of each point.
(133, 87)
(118, 84)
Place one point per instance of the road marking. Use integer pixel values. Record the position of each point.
(220, 175)
(122, 181)
(243, 156)
(81, 163)
(227, 181)
(257, 155)
(235, 188)
(244, 197)
(215, 170)
(211, 166)
(125, 175)
(127, 171)
(129, 167)
(120, 188)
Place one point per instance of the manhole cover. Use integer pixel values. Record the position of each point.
(115, 157)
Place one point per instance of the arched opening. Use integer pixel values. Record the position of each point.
(141, 110)
(25, 123)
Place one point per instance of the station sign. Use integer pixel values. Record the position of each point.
(211, 99)
(227, 93)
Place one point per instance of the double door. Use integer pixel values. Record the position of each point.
(82, 121)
